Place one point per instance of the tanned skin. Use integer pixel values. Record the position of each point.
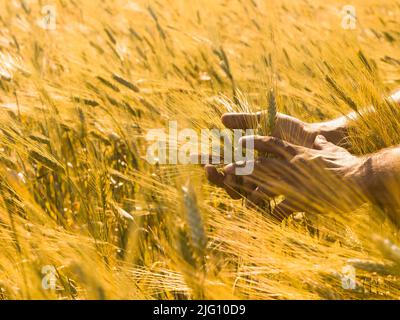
(301, 150)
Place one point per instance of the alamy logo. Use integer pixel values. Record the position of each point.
(49, 279)
(348, 277)
(349, 19)
(186, 146)
(49, 18)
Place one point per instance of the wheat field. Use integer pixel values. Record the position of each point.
(78, 197)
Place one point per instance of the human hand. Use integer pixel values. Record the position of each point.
(291, 129)
(308, 177)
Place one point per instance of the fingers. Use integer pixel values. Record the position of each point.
(269, 174)
(223, 181)
(241, 120)
(272, 145)
(232, 185)
(267, 177)
(257, 188)
(258, 196)
(235, 186)
(214, 176)
(321, 143)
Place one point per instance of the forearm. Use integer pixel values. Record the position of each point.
(379, 179)
(336, 130)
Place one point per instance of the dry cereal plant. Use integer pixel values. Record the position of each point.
(202, 149)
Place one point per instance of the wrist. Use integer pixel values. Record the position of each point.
(334, 131)
(378, 173)
(362, 175)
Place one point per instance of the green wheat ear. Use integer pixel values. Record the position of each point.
(266, 124)
(194, 221)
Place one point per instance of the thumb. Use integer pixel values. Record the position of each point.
(320, 142)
